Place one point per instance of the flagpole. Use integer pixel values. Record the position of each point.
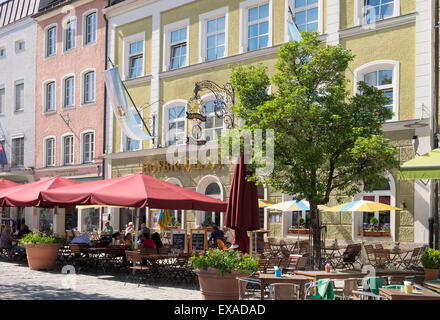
(131, 99)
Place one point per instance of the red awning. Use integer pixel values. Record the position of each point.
(4, 184)
(27, 195)
(136, 191)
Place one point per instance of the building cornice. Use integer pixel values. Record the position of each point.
(378, 25)
(125, 6)
(136, 81)
(59, 9)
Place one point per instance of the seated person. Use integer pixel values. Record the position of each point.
(144, 229)
(214, 235)
(128, 240)
(82, 238)
(116, 237)
(228, 236)
(147, 242)
(156, 239)
(24, 230)
(6, 238)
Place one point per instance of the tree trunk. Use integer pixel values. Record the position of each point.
(316, 228)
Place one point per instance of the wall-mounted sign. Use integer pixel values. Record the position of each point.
(165, 166)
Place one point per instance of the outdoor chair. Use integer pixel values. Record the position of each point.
(114, 257)
(413, 261)
(69, 236)
(323, 288)
(304, 247)
(382, 258)
(248, 288)
(363, 295)
(295, 263)
(221, 245)
(351, 255)
(379, 246)
(284, 291)
(347, 290)
(80, 254)
(369, 255)
(372, 284)
(134, 258)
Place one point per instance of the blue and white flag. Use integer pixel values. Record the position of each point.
(3, 158)
(119, 103)
(294, 33)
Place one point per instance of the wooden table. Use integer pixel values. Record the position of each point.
(432, 285)
(268, 278)
(316, 275)
(396, 294)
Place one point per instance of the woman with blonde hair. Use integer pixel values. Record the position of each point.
(5, 237)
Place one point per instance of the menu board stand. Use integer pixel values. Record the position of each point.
(198, 240)
(179, 240)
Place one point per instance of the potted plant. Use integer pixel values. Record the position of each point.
(218, 270)
(374, 229)
(431, 263)
(41, 249)
(174, 224)
(300, 227)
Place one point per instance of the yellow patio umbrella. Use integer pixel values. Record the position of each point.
(164, 219)
(361, 206)
(294, 205)
(264, 203)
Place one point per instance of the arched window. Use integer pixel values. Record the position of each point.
(381, 194)
(174, 123)
(212, 190)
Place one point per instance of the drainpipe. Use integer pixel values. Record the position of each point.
(105, 94)
(435, 123)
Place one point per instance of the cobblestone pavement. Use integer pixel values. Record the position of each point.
(17, 281)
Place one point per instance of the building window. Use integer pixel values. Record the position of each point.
(90, 29)
(19, 96)
(213, 124)
(378, 10)
(88, 147)
(131, 144)
(19, 46)
(306, 14)
(2, 52)
(68, 150)
(275, 217)
(176, 125)
(384, 75)
(89, 87)
(212, 190)
(50, 152)
(178, 47)
(50, 97)
(383, 195)
(136, 59)
(2, 100)
(69, 92)
(51, 41)
(17, 152)
(215, 38)
(69, 35)
(258, 27)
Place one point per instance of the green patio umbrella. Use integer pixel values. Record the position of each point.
(426, 166)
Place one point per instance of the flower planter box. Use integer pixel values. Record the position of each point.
(299, 231)
(173, 227)
(214, 286)
(42, 256)
(368, 233)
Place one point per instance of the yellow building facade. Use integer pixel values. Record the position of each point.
(162, 48)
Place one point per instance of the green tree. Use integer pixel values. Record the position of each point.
(327, 140)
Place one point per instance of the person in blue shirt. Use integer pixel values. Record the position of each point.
(214, 235)
(82, 238)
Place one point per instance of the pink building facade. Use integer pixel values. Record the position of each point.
(69, 101)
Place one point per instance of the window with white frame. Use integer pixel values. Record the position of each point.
(2, 99)
(88, 147)
(382, 219)
(69, 34)
(2, 52)
(17, 152)
(50, 96)
(178, 48)
(213, 191)
(50, 152)
(51, 41)
(131, 144)
(375, 10)
(90, 28)
(19, 95)
(215, 38)
(258, 27)
(89, 87)
(69, 92)
(213, 124)
(306, 13)
(176, 125)
(68, 150)
(384, 75)
(19, 46)
(135, 59)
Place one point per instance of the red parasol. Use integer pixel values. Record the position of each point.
(242, 213)
(4, 184)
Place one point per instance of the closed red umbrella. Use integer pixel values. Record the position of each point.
(135, 191)
(27, 195)
(242, 213)
(4, 184)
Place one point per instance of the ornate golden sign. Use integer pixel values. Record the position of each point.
(164, 166)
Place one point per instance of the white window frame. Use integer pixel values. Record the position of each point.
(124, 146)
(83, 74)
(71, 19)
(62, 151)
(44, 95)
(167, 43)
(2, 102)
(84, 27)
(203, 20)
(359, 11)
(46, 30)
(166, 114)
(3, 48)
(287, 18)
(17, 46)
(17, 136)
(82, 134)
(204, 99)
(243, 23)
(16, 83)
(126, 49)
(63, 91)
(45, 164)
(201, 188)
(360, 72)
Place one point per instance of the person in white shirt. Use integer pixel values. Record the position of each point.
(228, 236)
(130, 228)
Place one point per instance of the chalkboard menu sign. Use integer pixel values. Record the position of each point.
(198, 240)
(179, 239)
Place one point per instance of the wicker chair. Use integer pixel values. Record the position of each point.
(284, 291)
(134, 258)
